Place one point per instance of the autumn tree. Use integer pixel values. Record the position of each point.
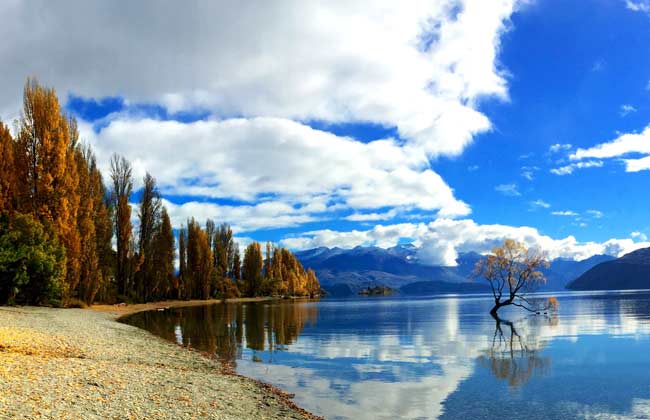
(90, 271)
(236, 265)
(223, 251)
(200, 262)
(103, 221)
(512, 271)
(7, 171)
(182, 264)
(149, 214)
(46, 173)
(252, 269)
(121, 194)
(163, 258)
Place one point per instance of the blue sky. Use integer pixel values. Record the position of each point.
(451, 124)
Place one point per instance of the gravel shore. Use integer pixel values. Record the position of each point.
(82, 364)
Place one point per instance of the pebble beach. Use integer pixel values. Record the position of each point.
(83, 364)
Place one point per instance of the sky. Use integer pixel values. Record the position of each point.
(449, 124)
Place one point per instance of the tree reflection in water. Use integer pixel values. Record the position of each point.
(223, 329)
(514, 354)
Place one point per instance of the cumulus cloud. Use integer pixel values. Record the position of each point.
(510, 190)
(442, 240)
(366, 217)
(636, 165)
(568, 169)
(250, 159)
(622, 145)
(420, 67)
(264, 215)
(262, 72)
(639, 236)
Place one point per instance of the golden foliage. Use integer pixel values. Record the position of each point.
(512, 270)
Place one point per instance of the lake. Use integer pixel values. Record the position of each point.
(435, 357)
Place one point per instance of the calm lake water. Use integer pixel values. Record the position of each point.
(434, 357)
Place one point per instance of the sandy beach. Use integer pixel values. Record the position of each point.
(81, 363)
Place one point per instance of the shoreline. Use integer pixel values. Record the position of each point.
(83, 363)
(120, 310)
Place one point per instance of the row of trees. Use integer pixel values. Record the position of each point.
(210, 265)
(58, 222)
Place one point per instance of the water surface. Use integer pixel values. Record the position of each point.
(434, 357)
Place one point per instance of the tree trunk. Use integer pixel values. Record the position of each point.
(498, 305)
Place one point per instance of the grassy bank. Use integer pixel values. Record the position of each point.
(76, 363)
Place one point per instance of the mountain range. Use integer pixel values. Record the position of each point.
(346, 271)
(631, 271)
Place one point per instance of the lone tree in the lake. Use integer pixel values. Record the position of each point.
(513, 271)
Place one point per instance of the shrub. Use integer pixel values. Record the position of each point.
(32, 263)
(75, 303)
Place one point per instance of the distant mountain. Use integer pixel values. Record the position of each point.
(347, 271)
(631, 271)
(562, 271)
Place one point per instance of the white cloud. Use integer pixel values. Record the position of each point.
(419, 67)
(598, 65)
(623, 144)
(363, 61)
(626, 109)
(564, 213)
(250, 159)
(510, 190)
(596, 214)
(557, 147)
(568, 169)
(639, 236)
(636, 165)
(540, 203)
(243, 218)
(638, 6)
(528, 172)
(473, 168)
(440, 241)
(366, 217)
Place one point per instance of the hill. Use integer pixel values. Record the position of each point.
(631, 271)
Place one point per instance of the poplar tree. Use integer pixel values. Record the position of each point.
(90, 273)
(121, 194)
(7, 171)
(163, 258)
(252, 269)
(182, 263)
(149, 219)
(236, 265)
(46, 170)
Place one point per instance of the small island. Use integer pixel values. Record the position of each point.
(376, 291)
